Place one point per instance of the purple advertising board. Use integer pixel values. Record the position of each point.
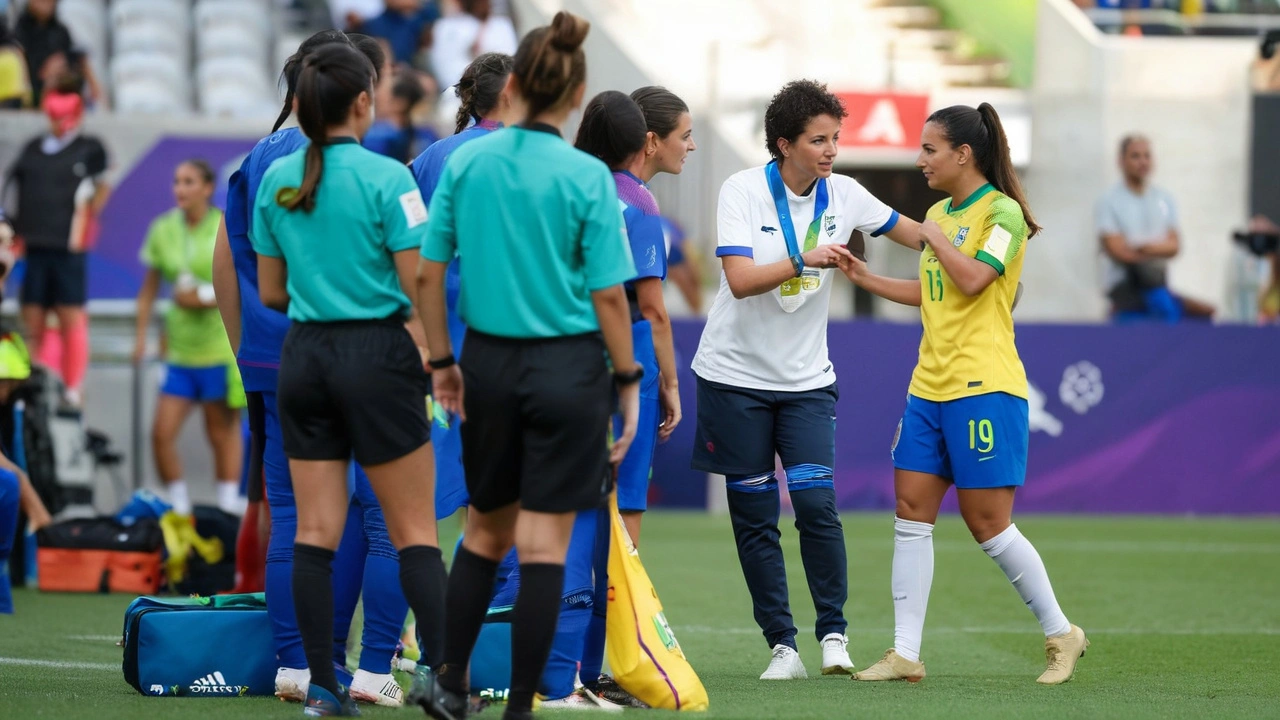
(142, 194)
(1124, 419)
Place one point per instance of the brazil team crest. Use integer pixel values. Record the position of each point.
(829, 222)
(961, 234)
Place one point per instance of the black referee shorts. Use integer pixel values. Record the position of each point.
(55, 278)
(537, 424)
(352, 388)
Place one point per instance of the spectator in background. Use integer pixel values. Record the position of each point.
(462, 37)
(61, 191)
(15, 81)
(200, 365)
(405, 25)
(351, 14)
(1138, 226)
(394, 134)
(681, 270)
(1269, 298)
(50, 51)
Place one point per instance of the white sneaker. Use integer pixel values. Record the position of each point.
(580, 699)
(835, 655)
(376, 689)
(785, 665)
(292, 684)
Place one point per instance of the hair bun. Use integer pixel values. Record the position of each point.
(568, 31)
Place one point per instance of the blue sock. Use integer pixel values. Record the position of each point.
(593, 644)
(385, 607)
(279, 588)
(9, 512)
(562, 663)
(348, 579)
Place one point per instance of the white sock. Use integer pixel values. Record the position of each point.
(179, 498)
(1022, 565)
(912, 579)
(229, 496)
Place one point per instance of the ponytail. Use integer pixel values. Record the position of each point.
(613, 129)
(480, 86)
(293, 68)
(550, 63)
(999, 166)
(982, 131)
(331, 80)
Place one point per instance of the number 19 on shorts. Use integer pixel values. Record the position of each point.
(982, 436)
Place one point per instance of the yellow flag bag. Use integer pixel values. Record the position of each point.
(642, 650)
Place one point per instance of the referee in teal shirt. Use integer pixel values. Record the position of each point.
(336, 227)
(539, 233)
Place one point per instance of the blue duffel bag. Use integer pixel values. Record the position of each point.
(217, 646)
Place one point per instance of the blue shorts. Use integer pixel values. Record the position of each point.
(637, 466)
(740, 429)
(197, 384)
(976, 442)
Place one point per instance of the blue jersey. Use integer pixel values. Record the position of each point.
(427, 169)
(262, 329)
(644, 227)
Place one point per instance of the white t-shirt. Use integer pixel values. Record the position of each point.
(455, 37)
(753, 342)
(1143, 220)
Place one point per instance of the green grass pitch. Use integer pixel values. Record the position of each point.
(1184, 616)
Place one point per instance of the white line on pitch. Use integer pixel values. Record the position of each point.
(95, 638)
(60, 664)
(709, 630)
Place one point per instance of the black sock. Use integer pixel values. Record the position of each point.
(466, 603)
(313, 603)
(423, 579)
(533, 628)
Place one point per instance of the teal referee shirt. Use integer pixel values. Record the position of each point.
(537, 227)
(339, 256)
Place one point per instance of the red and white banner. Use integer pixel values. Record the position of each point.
(883, 120)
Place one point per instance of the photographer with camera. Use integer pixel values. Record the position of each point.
(1263, 240)
(1138, 227)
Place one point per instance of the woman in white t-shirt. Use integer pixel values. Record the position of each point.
(462, 37)
(765, 384)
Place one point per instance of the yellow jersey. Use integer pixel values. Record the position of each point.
(967, 348)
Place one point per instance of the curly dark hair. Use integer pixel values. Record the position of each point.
(790, 111)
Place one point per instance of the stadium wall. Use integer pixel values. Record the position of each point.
(1133, 419)
(1190, 96)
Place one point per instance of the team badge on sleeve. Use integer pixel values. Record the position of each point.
(415, 211)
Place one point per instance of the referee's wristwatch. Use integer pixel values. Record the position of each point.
(631, 378)
(447, 361)
(797, 261)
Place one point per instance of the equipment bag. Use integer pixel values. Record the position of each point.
(641, 648)
(199, 646)
(99, 555)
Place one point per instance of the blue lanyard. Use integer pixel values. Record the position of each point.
(779, 192)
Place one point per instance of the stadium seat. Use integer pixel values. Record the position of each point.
(87, 21)
(250, 17)
(228, 100)
(151, 36)
(229, 41)
(173, 14)
(234, 86)
(141, 68)
(150, 96)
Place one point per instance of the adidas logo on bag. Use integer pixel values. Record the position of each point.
(215, 684)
